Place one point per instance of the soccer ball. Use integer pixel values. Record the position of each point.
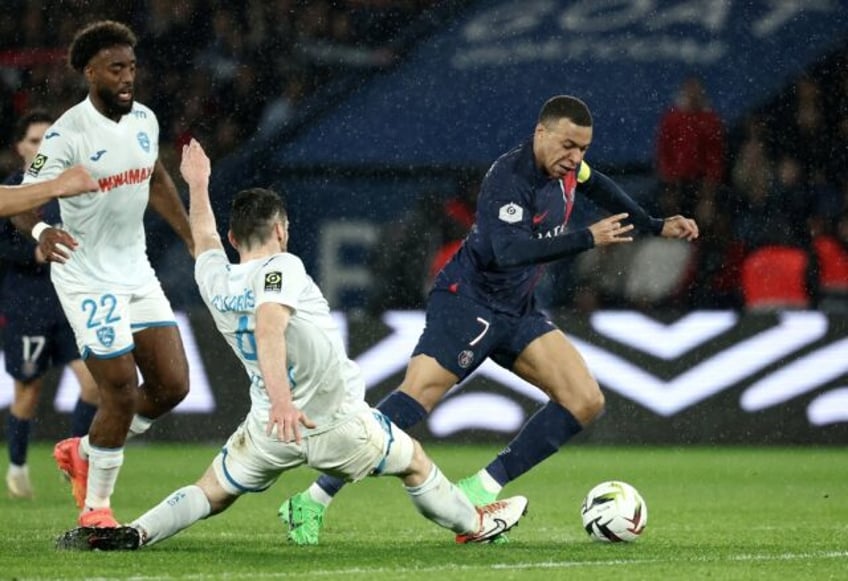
(614, 512)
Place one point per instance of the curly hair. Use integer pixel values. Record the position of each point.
(95, 37)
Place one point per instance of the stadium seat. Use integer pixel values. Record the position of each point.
(774, 277)
(833, 274)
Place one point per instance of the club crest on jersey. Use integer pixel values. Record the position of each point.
(465, 358)
(36, 165)
(273, 281)
(143, 141)
(511, 213)
(106, 336)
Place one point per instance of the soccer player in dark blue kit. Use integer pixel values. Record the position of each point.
(482, 303)
(37, 335)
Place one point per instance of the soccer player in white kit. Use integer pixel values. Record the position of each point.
(108, 290)
(307, 396)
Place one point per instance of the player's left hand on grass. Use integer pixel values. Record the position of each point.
(287, 419)
(680, 227)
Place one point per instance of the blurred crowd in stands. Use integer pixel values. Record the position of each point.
(770, 193)
(770, 196)
(217, 70)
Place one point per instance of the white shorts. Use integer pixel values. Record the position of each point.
(367, 444)
(105, 320)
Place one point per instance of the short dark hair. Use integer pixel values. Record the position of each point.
(94, 38)
(31, 118)
(565, 107)
(253, 214)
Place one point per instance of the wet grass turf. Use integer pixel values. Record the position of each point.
(718, 513)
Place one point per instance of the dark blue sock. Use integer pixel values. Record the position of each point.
(402, 409)
(542, 435)
(81, 419)
(18, 434)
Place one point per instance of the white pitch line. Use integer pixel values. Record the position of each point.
(504, 566)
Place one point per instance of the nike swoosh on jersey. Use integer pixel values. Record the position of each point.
(537, 219)
(97, 155)
(51, 135)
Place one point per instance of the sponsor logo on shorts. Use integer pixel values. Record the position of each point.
(465, 358)
(106, 336)
(37, 164)
(273, 281)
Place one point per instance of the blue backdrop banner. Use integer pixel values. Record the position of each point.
(474, 89)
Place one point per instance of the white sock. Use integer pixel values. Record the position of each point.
(15, 470)
(178, 511)
(104, 464)
(138, 426)
(84, 447)
(319, 495)
(442, 502)
(489, 483)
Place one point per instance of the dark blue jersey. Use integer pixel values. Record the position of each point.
(26, 286)
(522, 223)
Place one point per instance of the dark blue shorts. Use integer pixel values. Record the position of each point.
(460, 333)
(32, 345)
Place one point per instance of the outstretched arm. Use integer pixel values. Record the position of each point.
(612, 198)
(196, 168)
(165, 200)
(54, 245)
(522, 251)
(72, 181)
(606, 192)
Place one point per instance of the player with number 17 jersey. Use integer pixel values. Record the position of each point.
(108, 225)
(326, 385)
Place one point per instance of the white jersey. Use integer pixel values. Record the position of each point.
(326, 385)
(108, 225)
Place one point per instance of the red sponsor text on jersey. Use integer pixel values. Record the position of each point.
(128, 177)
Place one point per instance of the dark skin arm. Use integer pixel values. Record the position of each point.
(56, 244)
(165, 200)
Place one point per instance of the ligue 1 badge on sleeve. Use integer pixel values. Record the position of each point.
(511, 213)
(273, 281)
(36, 165)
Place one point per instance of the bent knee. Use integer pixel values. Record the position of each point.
(172, 391)
(585, 403)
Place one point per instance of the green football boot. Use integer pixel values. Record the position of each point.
(303, 517)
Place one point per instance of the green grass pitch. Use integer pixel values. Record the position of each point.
(714, 513)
